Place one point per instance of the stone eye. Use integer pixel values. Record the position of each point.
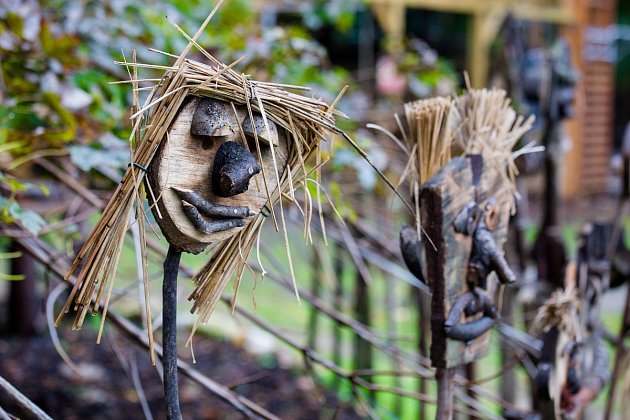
(270, 138)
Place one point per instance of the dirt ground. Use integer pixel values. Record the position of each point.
(106, 391)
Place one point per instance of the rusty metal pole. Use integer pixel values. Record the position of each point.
(445, 393)
(424, 325)
(469, 369)
(619, 355)
(169, 333)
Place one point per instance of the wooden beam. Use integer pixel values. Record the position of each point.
(558, 14)
(487, 18)
(571, 168)
(391, 17)
(483, 30)
(448, 6)
(553, 13)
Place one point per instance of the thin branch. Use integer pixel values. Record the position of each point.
(22, 400)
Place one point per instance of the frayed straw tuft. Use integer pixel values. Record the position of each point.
(481, 121)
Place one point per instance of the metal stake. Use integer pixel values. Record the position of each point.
(169, 333)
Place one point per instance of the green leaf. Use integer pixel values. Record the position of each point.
(86, 157)
(10, 255)
(15, 184)
(44, 189)
(32, 221)
(11, 211)
(12, 145)
(11, 277)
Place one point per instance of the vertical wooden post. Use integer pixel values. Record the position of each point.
(469, 369)
(463, 182)
(619, 355)
(23, 306)
(363, 310)
(391, 17)
(484, 27)
(424, 326)
(315, 291)
(508, 379)
(444, 377)
(366, 59)
(338, 305)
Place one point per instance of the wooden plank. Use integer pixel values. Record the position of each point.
(598, 148)
(596, 182)
(599, 88)
(442, 199)
(597, 130)
(597, 172)
(598, 142)
(601, 103)
(598, 154)
(597, 167)
(185, 161)
(554, 13)
(599, 137)
(599, 76)
(600, 113)
(601, 121)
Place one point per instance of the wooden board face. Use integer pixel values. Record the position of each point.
(185, 161)
(442, 199)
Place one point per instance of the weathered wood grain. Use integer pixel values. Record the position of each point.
(441, 199)
(186, 161)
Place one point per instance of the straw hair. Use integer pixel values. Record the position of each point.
(431, 134)
(562, 309)
(481, 121)
(306, 120)
(489, 126)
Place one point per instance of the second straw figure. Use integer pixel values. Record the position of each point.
(461, 157)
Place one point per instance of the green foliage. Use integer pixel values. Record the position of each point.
(290, 55)
(34, 58)
(10, 211)
(107, 151)
(57, 68)
(341, 14)
(427, 73)
(6, 276)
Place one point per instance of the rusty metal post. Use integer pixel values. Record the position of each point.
(169, 333)
(445, 393)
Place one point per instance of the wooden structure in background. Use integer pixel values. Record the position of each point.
(588, 163)
(487, 17)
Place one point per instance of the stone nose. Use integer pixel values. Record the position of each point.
(233, 167)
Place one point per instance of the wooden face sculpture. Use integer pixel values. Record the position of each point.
(209, 174)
